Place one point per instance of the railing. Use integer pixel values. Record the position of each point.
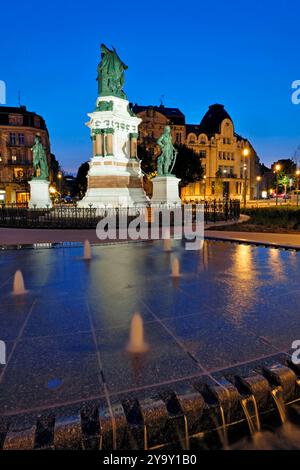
(219, 210)
(73, 217)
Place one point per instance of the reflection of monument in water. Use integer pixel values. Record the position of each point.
(115, 176)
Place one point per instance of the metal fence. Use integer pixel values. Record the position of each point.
(73, 217)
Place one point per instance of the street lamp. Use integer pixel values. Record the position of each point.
(258, 179)
(297, 178)
(59, 176)
(245, 154)
(277, 169)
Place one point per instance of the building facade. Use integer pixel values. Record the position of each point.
(229, 161)
(18, 128)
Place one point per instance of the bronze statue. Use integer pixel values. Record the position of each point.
(39, 160)
(167, 158)
(111, 73)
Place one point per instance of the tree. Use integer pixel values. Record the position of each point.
(283, 180)
(53, 168)
(188, 166)
(81, 179)
(148, 163)
(287, 165)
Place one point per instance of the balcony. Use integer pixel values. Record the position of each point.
(17, 145)
(18, 162)
(226, 175)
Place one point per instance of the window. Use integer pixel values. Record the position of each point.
(18, 173)
(12, 138)
(21, 139)
(15, 119)
(213, 187)
(14, 158)
(178, 138)
(202, 153)
(37, 122)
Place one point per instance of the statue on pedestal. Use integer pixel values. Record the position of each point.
(111, 73)
(39, 160)
(167, 158)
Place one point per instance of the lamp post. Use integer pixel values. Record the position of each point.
(59, 176)
(297, 186)
(277, 169)
(245, 154)
(258, 179)
(204, 181)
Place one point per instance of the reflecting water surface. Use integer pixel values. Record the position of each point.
(231, 304)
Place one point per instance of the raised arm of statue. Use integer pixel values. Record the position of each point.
(111, 73)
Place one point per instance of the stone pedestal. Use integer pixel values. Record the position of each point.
(39, 194)
(166, 191)
(115, 177)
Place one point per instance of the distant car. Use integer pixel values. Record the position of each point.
(280, 196)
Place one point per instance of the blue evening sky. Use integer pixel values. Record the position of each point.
(240, 53)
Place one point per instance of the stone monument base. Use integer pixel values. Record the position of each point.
(114, 183)
(165, 191)
(39, 194)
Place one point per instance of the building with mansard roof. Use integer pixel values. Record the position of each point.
(220, 148)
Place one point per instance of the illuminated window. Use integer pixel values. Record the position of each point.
(18, 173)
(14, 158)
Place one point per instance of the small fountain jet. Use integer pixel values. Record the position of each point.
(137, 344)
(19, 287)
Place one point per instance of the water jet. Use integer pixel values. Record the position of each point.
(137, 343)
(18, 286)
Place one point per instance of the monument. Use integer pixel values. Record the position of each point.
(165, 184)
(114, 176)
(39, 185)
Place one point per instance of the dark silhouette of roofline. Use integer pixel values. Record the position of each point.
(29, 116)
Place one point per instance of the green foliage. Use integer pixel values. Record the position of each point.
(81, 179)
(288, 166)
(148, 163)
(283, 180)
(282, 217)
(188, 166)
